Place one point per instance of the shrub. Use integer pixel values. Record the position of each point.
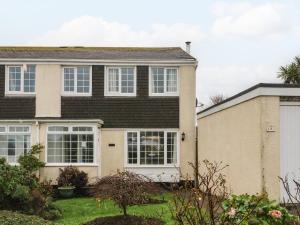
(252, 209)
(201, 204)
(14, 218)
(20, 188)
(71, 176)
(125, 189)
(210, 204)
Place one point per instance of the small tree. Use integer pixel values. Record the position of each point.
(125, 189)
(215, 99)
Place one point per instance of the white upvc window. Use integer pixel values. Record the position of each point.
(77, 81)
(164, 81)
(14, 141)
(120, 81)
(74, 144)
(20, 80)
(152, 148)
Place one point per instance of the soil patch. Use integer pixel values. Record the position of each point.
(125, 220)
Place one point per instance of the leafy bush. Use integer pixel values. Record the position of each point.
(125, 189)
(210, 204)
(71, 176)
(29, 161)
(20, 188)
(14, 218)
(252, 209)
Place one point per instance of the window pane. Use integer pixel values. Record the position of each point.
(171, 147)
(83, 79)
(15, 78)
(113, 80)
(2, 129)
(69, 79)
(157, 80)
(171, 80)
(12, 146)
(132, 147)
(82, 129)
(58, 128)
(152, 148)
(29, 79)
(127, 80)
(70, 148)
(18, 129)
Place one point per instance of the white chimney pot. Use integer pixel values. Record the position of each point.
(188, 47)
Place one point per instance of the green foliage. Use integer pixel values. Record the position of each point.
(252, 209)
(29, 161)
(71, 176)
(14, 218)
(290, 73)
(21, 190)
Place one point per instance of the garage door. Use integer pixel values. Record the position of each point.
(290, 145)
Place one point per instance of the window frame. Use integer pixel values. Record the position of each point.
(95, 132)
(119, 93)
(75, 93)
(21, 92)
(165, 165)
(165, 93)
(7, 132)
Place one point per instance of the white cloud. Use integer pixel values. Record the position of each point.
(246, 20)
(231, 79)
(88, 31)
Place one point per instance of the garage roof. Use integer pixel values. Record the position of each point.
(261, 89)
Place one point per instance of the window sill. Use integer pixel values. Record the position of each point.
(175, 166)
(71, 164)
(19, 95)
(76, 95)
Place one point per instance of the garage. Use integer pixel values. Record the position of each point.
(289, 144)
(256, 133)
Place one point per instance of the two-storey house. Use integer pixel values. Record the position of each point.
(100, 109)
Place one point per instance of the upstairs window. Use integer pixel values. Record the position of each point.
(20, 80)
(120, 81)
(163, 81)
(77, 81)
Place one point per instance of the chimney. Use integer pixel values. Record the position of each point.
(188, 47)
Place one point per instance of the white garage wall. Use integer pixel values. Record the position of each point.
(289, 144)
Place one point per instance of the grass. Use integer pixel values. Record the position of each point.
(77, 211)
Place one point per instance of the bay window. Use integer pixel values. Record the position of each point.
(77, 81)
(20, 80)
(71, 144)
(120, 81)
(163, 81)
(152, 148)
(14, 141)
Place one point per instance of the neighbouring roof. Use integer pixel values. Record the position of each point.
(95, 53)
(261, 89)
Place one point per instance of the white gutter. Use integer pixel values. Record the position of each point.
(261, 91)
(98, 62)
(37, 121)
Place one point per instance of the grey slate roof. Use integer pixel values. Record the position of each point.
(97, 53)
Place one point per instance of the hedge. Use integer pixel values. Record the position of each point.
(14, 218)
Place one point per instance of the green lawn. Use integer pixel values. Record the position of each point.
(76, 211)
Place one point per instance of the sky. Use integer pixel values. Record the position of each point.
(238, 43)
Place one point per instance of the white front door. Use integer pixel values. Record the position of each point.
(289, 146)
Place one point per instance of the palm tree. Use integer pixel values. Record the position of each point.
(290, 73)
